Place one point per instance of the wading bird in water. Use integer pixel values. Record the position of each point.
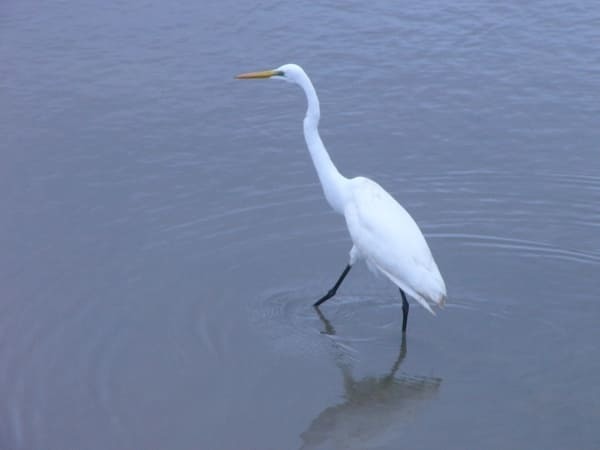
(382, 232)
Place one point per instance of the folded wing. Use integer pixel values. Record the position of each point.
(390, 241)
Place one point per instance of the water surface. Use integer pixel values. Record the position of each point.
(163, 231)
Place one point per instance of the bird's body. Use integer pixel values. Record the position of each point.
(390, 242)
(384, 235)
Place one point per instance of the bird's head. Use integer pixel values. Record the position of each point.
(292, 73)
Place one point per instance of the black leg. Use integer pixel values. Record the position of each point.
(405, 308)
(335, 287)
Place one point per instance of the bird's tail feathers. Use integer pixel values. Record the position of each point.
(424, 300)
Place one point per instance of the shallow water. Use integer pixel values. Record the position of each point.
(164, 234)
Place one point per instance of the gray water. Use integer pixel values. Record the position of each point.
(163, 233)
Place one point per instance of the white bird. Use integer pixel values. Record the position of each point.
(382, 232)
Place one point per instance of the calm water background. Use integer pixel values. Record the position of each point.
(163, 234)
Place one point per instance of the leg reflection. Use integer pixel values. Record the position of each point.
(371, 406)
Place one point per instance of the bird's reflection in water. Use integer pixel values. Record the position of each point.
(373, 407)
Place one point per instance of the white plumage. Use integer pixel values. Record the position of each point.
(383, 233)
(390, 241)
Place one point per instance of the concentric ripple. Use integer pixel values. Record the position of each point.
(349, 320)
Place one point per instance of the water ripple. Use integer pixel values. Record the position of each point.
(521, 246)
(293, 325)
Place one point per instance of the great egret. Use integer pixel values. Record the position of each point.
(383, 233)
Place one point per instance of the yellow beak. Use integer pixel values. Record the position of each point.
(263, 74)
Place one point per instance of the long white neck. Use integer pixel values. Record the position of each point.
(332, 182)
